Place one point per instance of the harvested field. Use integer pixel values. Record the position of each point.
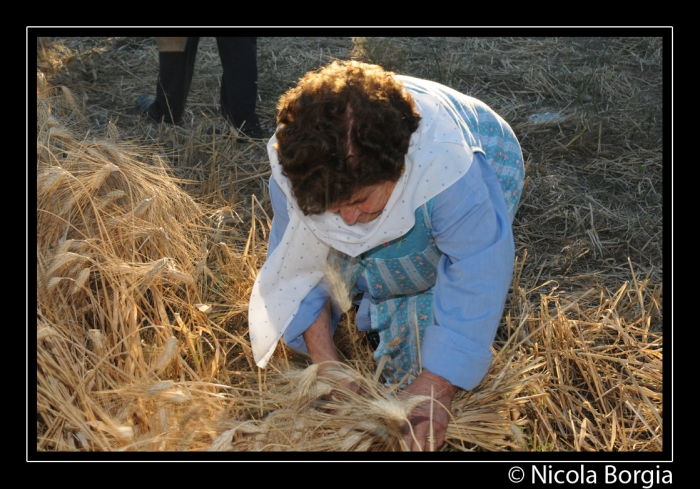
(149, 238)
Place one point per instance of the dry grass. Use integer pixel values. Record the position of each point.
(149, 237)
(124, 270)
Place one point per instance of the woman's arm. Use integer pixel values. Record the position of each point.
(319, 338)
(472, 229)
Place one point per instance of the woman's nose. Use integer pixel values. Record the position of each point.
(349, 214)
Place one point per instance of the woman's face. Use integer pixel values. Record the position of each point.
(366, 205)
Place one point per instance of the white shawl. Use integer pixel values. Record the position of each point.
(438, 155)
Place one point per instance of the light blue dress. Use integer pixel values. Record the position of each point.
(436, 294)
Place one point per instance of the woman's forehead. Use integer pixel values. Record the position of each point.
(362, 193)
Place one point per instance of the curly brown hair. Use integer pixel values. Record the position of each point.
(343, 127)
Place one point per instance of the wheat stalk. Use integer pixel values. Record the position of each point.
(338, 289)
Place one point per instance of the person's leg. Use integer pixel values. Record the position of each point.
(239, 83)
(174, 78)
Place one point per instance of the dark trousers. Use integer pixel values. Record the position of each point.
(239, 82)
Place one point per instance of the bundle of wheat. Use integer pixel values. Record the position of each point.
(126, 352)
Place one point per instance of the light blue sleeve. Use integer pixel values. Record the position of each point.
(472, 229)
(311, 306)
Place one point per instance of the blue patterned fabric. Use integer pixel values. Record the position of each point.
(486, 132)
(400, 276)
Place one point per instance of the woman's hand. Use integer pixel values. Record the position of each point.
(427, 384)
(343, 387)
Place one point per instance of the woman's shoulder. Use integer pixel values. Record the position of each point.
(470, 189)
(463, 187)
